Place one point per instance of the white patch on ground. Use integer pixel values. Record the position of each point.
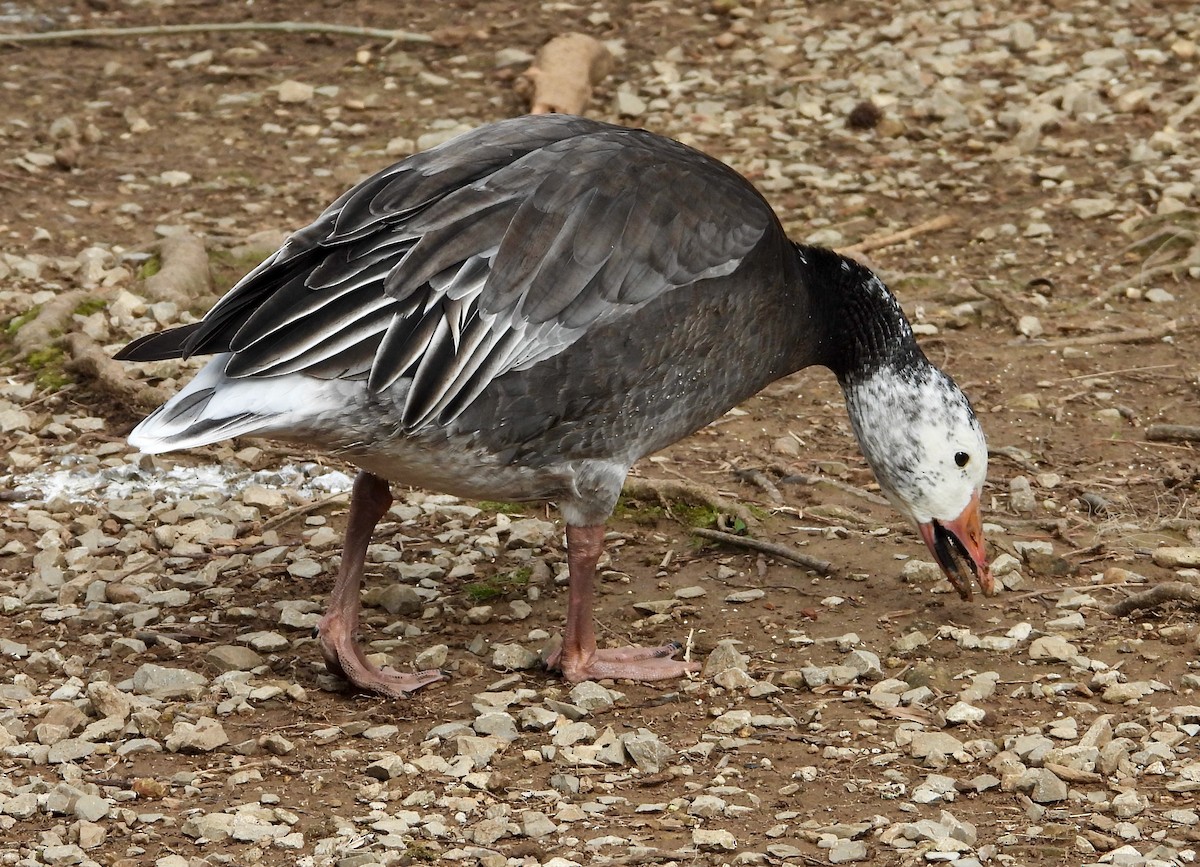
(89, 484)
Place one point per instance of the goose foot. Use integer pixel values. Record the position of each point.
(344, 657)
(578, 657)
(621, 663)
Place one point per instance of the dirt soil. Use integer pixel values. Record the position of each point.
(1066, 408)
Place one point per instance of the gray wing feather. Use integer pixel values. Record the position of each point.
(486, 255)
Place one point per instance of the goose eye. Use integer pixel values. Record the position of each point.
(962, 458)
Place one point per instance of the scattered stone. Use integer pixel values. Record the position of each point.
(1047, 787)
(514, 657)
(723, 657)
(1175, 558)
(713, 840)
(160, 682)
(295, 91)
(846, 851)
(535, 823)
(233, 657)
(433, 657)
(649, 753)
(1053, 647)
(1089, 209)
(926, 744)
(593, 697)
(204, 736)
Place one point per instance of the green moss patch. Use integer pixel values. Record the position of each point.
(498, 585)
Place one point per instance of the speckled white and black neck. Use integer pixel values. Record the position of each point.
(915, 426)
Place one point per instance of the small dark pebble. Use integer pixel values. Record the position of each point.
(865, 115)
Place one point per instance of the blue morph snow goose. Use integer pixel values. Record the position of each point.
(522, 313)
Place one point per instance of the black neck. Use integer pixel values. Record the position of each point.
(861, 325)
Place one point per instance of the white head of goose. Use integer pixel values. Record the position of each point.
(522, 313)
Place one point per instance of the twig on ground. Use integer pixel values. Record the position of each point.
(52, 320)
(1058, 591)
(221, 27)
(86, 358)
(666, 490)
(1131, 335)
(936, 224)
(1168, 591)
(295, 512)
(998, 298)
(759, 478)
(844, 487)
(1173, 433)
(562, 76)
(184, 278)
(785, 552)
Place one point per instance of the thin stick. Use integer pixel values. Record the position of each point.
(997, 297)
(51, 320)
(1169, 591)
(758, 478)
(304, 509)
(844, 487)
(945, 221)
(237, 27)
(1173, 433)
(784, 551)
(85, 358)
(1103, 373)
(1131, 335)
(1051, 591)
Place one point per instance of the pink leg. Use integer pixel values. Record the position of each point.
(369, 502)
(579, 657)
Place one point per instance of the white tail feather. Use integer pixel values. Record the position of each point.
(213, 407)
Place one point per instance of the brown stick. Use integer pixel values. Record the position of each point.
(785, 552)
(562, 76)
(304, 509)
(936, 224)
(665, 490)
(759, 478)
(844, 487)
(1173, 433)
(1131, 335)
(1169, 591)
(236, 27)
(184, 278)
(52, 320)
(87, 359)
(997, 297)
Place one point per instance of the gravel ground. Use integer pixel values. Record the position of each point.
(161, 699)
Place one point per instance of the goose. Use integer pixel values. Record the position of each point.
(523, 312)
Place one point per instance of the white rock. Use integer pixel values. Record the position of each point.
(206, 735)
(1030, 326)
(514, 657)
(713, 840)
(295, 91)
(961, 712)
(160, 682)
(629, 104)
(1053, 647)
(1089, 208)
(845, 851)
